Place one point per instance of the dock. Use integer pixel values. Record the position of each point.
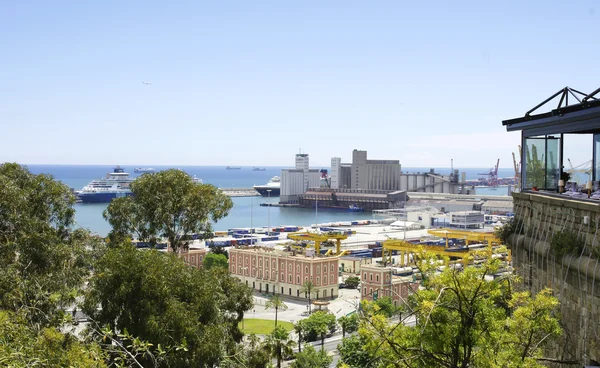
(240, 192)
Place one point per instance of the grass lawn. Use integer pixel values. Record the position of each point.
(262, 326)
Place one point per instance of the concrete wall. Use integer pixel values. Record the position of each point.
(575, 280)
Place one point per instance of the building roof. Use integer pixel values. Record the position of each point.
(497, 204)
(583, 117)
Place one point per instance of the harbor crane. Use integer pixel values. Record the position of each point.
(317, 239)
(492, 175)
(585, 168)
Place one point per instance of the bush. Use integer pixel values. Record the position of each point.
(505, 231)
(566, 242)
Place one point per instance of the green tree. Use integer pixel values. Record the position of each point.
(300, 330)
(218, 250)
(311, 358)
(353, 354)
(308, 288)
(385, 306)
(157, 298)
(348, 323)
(318, 325)
(250, 355)
(352, 282)
(277, 303)
(167, 204)
(23, 346)
(279, 345)
(215, 260)
(462, 320)
(43, 262)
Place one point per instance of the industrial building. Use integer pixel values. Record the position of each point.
(359, 198)
(295, 182)
(284, 272)
(365, 174)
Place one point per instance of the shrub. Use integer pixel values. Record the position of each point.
(566, 242)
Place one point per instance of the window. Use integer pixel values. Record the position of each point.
(298, 280)
(232, 258)
(254, 262)
(365, 291)
(260, 262)
(273, 264)
(290, 279)
(371, 277)
(282, 279)
(298, 268)
(325, 280)
(365, 276)
(377, 278)
(318, 269)
(332, 268)
(318, 280)
(290, 290)
(282, 289)
(306, 269)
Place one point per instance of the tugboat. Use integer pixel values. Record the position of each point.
(355, 208)
(116, 184)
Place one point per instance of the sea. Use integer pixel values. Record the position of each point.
(246, 211)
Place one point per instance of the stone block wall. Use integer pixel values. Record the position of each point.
(575, 279)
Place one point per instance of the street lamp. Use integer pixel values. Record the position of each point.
(269, 212)
(251, 223)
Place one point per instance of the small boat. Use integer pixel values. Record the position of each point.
(144, 170)
(355, 208)
(196, 180)
(259, 169)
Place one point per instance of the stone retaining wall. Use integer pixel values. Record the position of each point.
(575, 279)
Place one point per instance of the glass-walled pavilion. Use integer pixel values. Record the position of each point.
(543, 137)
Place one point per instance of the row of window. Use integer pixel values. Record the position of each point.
(289, 290)
(290, 267)
(244, 271)
(376, 277)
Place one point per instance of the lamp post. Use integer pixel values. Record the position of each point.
(251, 221)
(269, 212)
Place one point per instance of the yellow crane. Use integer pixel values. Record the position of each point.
(467, 236)
(318, 238)
(405, 248)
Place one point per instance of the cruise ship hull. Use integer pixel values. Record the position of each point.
(263, 191)
(101, 197)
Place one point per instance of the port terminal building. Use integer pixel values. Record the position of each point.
(370, 184)
(271, 270)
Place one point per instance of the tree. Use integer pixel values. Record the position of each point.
(348, 323)
(353, 354)
(167, 204)
(308, 288)
(218, 250)
(300, 330)
(250, 355)
(23, 346)
(277, 303)
(311, 358)
(464, 320)
(159, 299)
(385, 306)
(352, 282)
(215, 260)
(43, 262)
(279, 344)
(318, 325)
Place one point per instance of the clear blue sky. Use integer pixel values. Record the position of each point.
(252, 82)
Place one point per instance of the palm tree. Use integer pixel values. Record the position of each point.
(299, 329)
(279, 344)
(308, 288)
(276, 302)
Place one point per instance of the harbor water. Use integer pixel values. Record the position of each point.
(246, 211)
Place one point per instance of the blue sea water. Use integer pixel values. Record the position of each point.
(245, 211)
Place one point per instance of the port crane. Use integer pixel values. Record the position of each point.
(492, 175)
(585, 168)
(318, 238)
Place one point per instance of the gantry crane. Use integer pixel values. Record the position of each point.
(318, 238)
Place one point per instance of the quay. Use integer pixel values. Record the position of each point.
(240, 192)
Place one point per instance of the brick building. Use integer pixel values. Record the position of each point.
(377, 280)
(275, 271)
(193, 257)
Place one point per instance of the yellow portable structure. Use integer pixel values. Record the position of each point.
(405, 248)
(468, 236)
(318, 238)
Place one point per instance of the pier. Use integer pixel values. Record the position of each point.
(240, 192)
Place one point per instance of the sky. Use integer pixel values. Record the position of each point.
(253, 82)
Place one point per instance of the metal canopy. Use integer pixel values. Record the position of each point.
(582, 117)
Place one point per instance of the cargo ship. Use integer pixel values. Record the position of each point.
(271, 189)
(259, 169)
(144, 170)
(233, 168)
(115, 185)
